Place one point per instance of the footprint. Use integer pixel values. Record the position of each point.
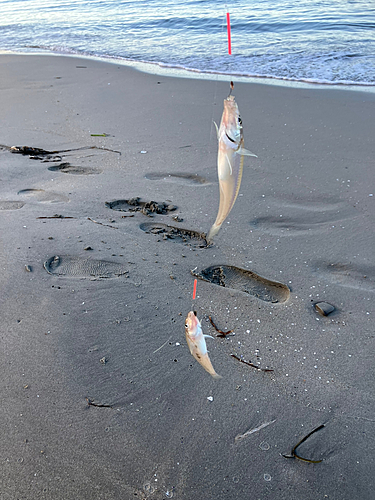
(348, 275)
(178, 178)
(67, 168)
(299, 217)
(43, 196)
(292, 226)
(180, 235)
(76, 267)
(245, 281)
(146, 207)
(11, 205)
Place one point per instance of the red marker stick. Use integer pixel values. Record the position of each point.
(229, 40)
(195, 289)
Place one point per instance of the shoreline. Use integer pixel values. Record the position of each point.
(162, 69)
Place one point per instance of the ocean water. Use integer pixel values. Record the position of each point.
(318, 41)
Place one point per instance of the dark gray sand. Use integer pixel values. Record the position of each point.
(100, 397)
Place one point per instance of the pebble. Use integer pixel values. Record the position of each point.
(324, 308)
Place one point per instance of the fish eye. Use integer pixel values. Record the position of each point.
(239, 120)
(186, 325)
(195, 313)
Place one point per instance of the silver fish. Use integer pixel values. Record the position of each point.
(229, 161)
(197, 343)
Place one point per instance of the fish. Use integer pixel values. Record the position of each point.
(197, 343)
(230, 158)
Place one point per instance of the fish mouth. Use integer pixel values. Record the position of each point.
(191, 320)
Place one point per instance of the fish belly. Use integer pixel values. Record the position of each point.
(229, 188)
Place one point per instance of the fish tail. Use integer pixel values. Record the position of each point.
(213, 232)
(216, 376)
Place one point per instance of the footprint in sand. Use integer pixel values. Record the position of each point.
(146, 207)
(178, 178)
(76, 267)
(179, 235)
(245, 281)
(11, 205)
(42, 196)
(300, 217)
(67, 168)
(347, 275)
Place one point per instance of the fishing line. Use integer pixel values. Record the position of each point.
(225, 27)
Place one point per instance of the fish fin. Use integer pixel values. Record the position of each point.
(217, 130)
(216, 376)
(230, 166)
(245, 152)
(208, 336)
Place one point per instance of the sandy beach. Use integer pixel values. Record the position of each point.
(101, 398)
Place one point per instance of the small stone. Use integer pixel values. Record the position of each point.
(88, 248)
(28, 268)
(324, 308)
(103, 360)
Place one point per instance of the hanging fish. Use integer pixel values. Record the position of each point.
(229, 160)
(197, 343)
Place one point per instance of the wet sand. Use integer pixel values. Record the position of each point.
(100, 395)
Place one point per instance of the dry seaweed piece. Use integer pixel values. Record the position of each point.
(220, 332)
(28, 150)
(91, 402)
(293, 453)
(56, 216)
(39, 152)
(251, 364)
(101, 223)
